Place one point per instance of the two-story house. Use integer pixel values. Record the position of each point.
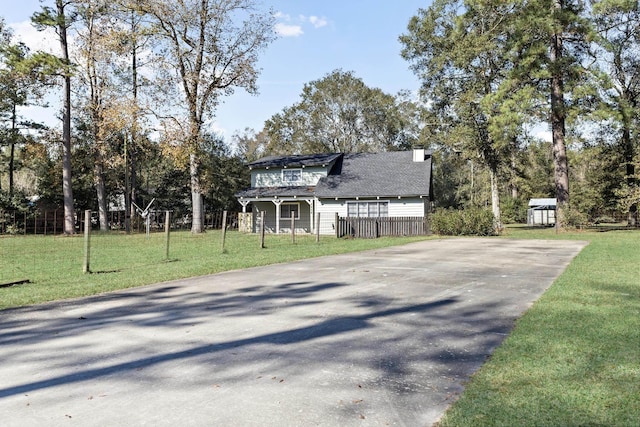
(388, 184)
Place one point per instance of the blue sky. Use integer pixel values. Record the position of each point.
(316, 38)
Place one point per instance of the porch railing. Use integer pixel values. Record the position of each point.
(371, 228)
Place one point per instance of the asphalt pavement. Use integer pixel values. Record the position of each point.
(379, 338)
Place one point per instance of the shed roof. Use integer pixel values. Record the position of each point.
(387, 174)
(542, 202)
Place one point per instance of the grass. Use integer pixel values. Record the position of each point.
(53, 265)
(574, 357)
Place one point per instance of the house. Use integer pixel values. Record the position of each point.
(388, 184)
(541, 212)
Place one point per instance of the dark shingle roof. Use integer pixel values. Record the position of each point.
(295, 161)
(276, 192)
(388, 174)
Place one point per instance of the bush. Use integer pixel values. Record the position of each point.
(13, 230)
(513, 211)
(467, 222)
(572, 218)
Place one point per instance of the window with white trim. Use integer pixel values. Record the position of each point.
(367, 209)
(291, 176)
(286, 209)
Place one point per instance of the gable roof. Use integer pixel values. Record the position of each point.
(296, 161)
(387, 174)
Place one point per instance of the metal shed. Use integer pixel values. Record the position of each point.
(541, 212)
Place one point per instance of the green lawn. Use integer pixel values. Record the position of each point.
(53, 265)
(574, 357)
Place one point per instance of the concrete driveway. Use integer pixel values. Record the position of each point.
(385, 337)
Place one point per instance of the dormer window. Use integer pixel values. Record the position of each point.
(291, 176)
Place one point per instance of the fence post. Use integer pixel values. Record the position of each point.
(224, 228)
(87, 233)
(293, 227)
(262, 229)
(337, 226)
(167, 224)
(317, 227)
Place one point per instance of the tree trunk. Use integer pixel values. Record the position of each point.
(12, 154)
(133, 192)
(630, 169)
(515, 191)
(558, 114)
(101, 194)
(127, 193)
(130, 161)
(495, 199)
(67, 192)
(96, 126)
(196, 194)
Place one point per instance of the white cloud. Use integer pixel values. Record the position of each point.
(292, 27)
(317, 21)
(288, 30)
(283, 16)
(46, 40)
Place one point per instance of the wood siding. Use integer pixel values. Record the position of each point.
(414, 207)
(273, 177)
(303, 224)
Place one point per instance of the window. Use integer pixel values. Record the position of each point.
(291, 176)
(286, 209)
(367, 209)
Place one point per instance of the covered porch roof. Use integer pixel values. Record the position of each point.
(270, 193)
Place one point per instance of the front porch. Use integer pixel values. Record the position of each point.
(278, 214)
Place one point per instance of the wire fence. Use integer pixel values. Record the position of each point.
(51, 257)
(58, 259)
(51, 222)
(33, 247)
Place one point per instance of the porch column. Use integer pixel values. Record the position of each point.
(244, 204)
(277, 202)
(311, 215)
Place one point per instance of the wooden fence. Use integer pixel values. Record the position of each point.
(371, 228)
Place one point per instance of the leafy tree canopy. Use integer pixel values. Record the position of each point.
(340, 113)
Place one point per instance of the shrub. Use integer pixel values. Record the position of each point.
(467, 222)
(13, 230)
(572, 218)
(513, 211)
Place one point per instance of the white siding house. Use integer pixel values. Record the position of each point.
(328, 208)
(390, 184)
